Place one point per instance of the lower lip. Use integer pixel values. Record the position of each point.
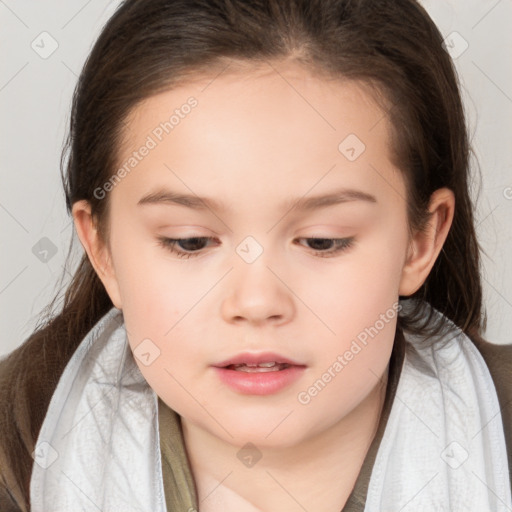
(259, 383)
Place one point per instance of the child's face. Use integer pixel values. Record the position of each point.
(253, 143)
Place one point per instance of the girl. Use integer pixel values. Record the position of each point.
(279, 306)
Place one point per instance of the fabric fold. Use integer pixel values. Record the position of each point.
(98, 447)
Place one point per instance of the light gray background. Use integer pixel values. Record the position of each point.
(35, 96)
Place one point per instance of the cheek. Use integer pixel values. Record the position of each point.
(363, 312)
(150, 286)
(161, 303)
(365, 284)
(159, 320)
(155, 298)
(353, 363)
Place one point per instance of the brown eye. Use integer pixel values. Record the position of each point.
(184, 247)
(325, 247)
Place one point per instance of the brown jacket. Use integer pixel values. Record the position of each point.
(25, 396)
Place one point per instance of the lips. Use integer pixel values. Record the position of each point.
(262, 373)
(263, 360)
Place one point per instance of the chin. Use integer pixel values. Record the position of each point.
(263, 432)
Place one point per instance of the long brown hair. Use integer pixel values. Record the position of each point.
(391, 45)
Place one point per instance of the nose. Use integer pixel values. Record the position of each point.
(257, 294)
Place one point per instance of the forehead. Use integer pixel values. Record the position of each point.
(264, 97)
(268, 129)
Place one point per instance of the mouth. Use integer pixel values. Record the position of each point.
(258, 368)
(260, 361)
(259, 374)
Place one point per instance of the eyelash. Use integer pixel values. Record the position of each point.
(171, 243)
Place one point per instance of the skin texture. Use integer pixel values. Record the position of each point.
(254, 141)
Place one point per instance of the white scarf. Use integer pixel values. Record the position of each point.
(443, 448)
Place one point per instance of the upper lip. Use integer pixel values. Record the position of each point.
(256, 358)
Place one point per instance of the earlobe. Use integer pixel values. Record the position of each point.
(426, 244)
(96, 249)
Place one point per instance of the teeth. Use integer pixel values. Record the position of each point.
(261, 367)
(256, 365)
(256, 369)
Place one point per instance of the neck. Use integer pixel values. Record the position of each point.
(317, 474)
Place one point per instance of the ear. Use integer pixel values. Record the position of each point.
(425, 245)
(97, 250)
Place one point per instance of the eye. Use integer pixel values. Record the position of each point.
(326, 247)
(193, 244)
(188, 247)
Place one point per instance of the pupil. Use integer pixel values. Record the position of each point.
(321, 243)
(191, 241)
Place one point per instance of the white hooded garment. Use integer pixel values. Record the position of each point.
(443, 448)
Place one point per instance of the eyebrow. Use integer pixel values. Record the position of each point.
(169, 197)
